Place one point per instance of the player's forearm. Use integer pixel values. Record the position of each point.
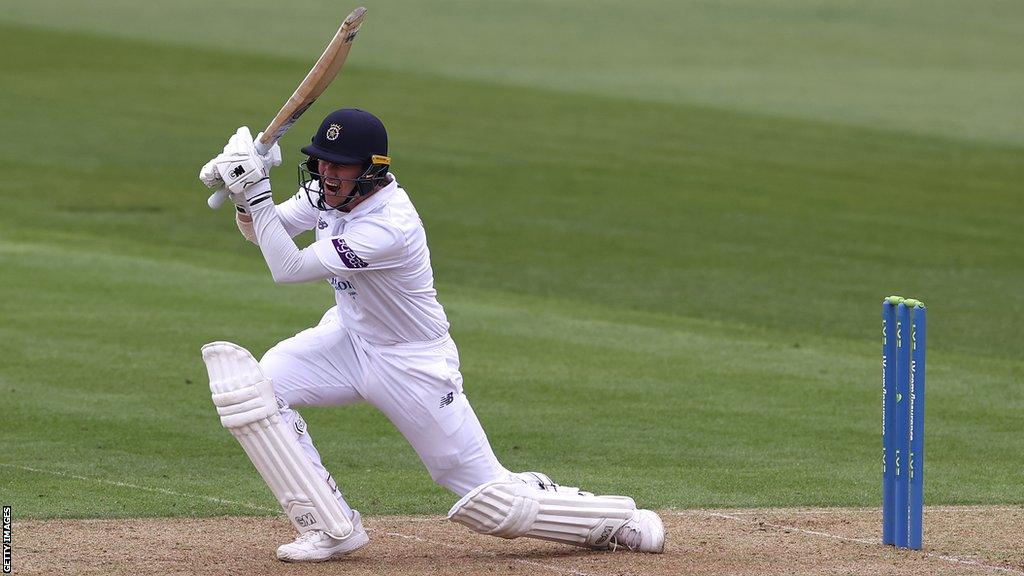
(245, 226)
(288, 264)
(244, 223)
(297, 215)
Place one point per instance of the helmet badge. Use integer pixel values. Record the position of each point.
(333, 132)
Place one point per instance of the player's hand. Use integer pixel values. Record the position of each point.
(272, 157)
(211, 178)
(209, 175)
(244, 173)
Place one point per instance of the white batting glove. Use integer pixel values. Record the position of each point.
(272, 157)
(210, 176)
(244, 173)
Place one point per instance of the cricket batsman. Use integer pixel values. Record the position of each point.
(386, 342)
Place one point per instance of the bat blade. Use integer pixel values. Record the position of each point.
(312, 86)
(317, 80)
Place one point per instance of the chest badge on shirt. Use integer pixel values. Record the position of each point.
(349, 258)
(320, 224)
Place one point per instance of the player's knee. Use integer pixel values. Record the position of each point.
(274, 363)
(461, 475)
(279, 366)
(292, 419)
(445, 470)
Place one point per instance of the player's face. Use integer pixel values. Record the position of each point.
(336, 181)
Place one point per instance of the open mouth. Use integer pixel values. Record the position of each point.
(332, 185)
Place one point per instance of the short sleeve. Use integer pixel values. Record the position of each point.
(366, 245)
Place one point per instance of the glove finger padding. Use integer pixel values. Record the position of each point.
(272, 157)
(240, 141)
(209, 175)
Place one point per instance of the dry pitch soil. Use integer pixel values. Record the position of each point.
(958, 540)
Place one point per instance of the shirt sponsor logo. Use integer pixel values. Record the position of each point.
(348, 257)
(341, 285)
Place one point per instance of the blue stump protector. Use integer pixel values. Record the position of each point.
(888, 417)
(903, 378)
(916, 460)
(901, 425)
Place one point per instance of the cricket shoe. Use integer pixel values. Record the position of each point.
(318, 546)
(644, 532)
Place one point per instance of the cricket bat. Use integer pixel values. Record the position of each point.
(318, 79)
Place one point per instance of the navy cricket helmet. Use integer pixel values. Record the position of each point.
(350, 137)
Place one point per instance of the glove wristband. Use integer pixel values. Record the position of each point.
(259, 196)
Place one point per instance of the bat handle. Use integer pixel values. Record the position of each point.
(216, 200)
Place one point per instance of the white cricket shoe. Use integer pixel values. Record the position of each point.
(644, 532)
(318, 546)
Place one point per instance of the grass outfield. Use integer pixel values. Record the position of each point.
(665, 297)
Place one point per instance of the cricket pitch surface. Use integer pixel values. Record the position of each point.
(958, 540)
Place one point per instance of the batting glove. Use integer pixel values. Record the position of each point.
(244, 173)
(210, 174)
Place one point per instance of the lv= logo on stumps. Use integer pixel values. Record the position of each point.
(903, 365)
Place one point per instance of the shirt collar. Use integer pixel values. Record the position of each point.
(377, 199)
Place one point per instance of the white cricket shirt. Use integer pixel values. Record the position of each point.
(383, 282)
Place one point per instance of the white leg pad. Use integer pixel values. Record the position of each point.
(247, 407)
(510, 508)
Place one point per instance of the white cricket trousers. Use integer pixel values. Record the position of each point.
(417, 386)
